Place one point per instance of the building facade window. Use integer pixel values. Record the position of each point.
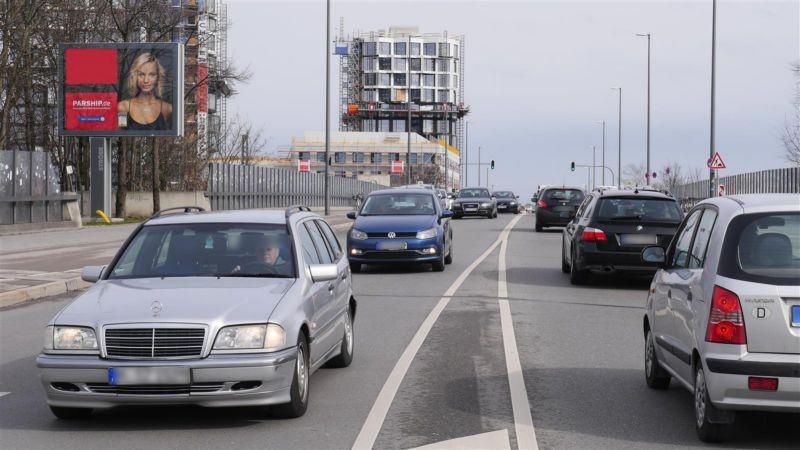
(429, 49)
(444, 81)
(399, 95)
(400, 48)
(416, 64)
(358, 157)
(427, 95)
(443, 65)
(383, 125)
(444, 49)
(321, 157)
(394, 156)
(444, 96)
(428, 64)
(384, 95)
(428, 158)
(385, 79)
(415, 49)
(303, 156)
(415, 93)
(399, 79)
(399, 126)
(369, 49)
(370, 79)
(399, 64)
(368, 64)
(412, 158)
(428, 80)
(369, 95)
(341, 157)
(415, 79)
(384, 63)
(375, 158)
(385, 48)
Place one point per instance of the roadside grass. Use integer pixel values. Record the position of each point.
(126, 220)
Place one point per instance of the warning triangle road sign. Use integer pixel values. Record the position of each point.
(716, 162)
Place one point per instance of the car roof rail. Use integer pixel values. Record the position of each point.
(186, 210)
(296, 209)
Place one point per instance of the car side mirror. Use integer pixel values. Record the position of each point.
(323, 272)
(92, 273)
(654, 255)
(446, 214)
(351, 215)
(494, 197)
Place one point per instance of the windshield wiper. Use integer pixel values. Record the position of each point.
(255, 275)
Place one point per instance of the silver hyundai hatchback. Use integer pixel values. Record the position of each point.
(216, 309)
(723, 313)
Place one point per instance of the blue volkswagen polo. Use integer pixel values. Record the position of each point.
(400, 226)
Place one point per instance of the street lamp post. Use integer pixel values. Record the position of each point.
(479, 165)
(648, 174)
(594, 168)
(619, 140)
(603, 122)
(466, 158)
(712, 191)
(327, 106)
(408, 102)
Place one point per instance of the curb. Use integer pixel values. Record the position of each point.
(43, 290)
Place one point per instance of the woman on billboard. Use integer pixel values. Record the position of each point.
(145, 108)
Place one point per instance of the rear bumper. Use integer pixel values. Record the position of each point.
(213, 381)
(547, 218)
(727, 381)
(589, 258)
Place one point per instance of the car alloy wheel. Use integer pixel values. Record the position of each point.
(655, 376)
(703, 408)
(345, 356)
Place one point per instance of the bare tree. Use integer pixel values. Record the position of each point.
(240, 143)
(791, 131)
(633, 174)
(671, 177)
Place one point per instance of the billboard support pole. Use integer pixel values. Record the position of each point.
(100, 174)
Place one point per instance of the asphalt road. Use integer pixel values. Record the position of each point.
(579, 350)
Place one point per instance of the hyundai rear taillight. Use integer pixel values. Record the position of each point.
(542, 204)
(726, 320)
(593, 235)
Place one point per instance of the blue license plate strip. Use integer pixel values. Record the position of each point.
(796, 316)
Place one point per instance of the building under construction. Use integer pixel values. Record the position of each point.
(384, 74)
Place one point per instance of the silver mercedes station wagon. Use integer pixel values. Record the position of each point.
(215, 309)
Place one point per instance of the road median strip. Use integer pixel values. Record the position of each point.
(45, 289)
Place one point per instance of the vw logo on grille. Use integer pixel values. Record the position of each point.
(639, 228)
(156, 307)
(391, 235)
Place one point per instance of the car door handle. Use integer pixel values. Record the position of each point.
(330, 287)
(689, 296)
(669, 293)
(344, 275)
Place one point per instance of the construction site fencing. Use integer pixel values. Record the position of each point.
(234, 186)
(30, 191)
(786, 180)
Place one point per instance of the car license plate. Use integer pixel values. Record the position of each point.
(501, 206)
(470, 209)
(120, 376)
(796, 316)
(638, 239)
(564, 214)
(392, 245)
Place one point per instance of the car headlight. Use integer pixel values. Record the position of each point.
(427, 234)
(358, 234)
(266, 336)
(513, 203)
(486, 205)
(69, 338)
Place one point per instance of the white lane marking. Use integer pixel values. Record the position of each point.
(497, 440)
(4, 393)
(372, 426)
(523, 422)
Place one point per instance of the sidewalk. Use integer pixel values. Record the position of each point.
(46, 263)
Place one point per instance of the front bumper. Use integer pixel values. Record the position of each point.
(460, 210)
(213, 381)
(727, 380)
(505, 207)
(367, 252)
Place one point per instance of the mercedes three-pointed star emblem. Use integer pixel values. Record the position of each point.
(156, 307)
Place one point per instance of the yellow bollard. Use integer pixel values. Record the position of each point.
(100, 213)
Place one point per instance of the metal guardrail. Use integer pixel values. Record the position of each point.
(234, 186)
(30, 192)
(786, 180)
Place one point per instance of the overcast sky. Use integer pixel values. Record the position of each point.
(538, 75)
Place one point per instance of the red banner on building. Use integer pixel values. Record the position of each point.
(202, 88)
(90, 111)
(304, 165)
(397, 166)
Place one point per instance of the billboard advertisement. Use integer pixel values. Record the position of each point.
(127, 89)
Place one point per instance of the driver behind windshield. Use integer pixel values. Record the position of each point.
(267, 257)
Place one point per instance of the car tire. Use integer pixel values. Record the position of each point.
(355, 267)
(706, 431)
(70, 413)
(298, 392)
(576, 276)
(449, 258)
(345, 356)
(438, 266)
(654, 374)
(538, 227)
(564, 265)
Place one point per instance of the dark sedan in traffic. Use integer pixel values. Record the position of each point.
(400, 226)
(474, 202)
(507, 201)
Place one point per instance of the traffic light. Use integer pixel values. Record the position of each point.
(492, 165)
(572, 166)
